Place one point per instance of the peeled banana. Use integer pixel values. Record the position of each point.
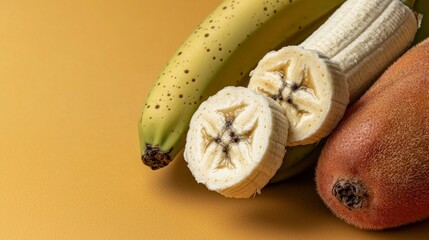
(311, 84)
(363, 37)
(291, 165)
(220, 52)
(381, 31)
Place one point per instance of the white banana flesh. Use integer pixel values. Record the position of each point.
(295, 96)
(310, 88)
(236, 142)
(363, 37)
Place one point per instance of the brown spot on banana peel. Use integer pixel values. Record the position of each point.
(155, 158)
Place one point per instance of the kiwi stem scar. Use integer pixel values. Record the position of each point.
(351, 193)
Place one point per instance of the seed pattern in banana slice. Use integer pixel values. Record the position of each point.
(236, 142)
(311, 89)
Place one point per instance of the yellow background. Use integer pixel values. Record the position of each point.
(73, 78)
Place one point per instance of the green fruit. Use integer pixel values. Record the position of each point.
(297, 160)
(422, 7)
(220, 52)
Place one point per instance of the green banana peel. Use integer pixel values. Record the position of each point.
(409, 3)
(296, 160)
(290, 170)
(422, 8)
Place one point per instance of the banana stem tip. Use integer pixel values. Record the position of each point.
(155, 158)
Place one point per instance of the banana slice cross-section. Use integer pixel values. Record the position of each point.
(311, 89)
(236, 142)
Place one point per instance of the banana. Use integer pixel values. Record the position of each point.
(311, 89)
(220, 52)
(235, 142)
(364, 37)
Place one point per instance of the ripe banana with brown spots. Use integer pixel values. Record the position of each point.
(220, 52)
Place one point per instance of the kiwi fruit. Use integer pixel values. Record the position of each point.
(373, 172)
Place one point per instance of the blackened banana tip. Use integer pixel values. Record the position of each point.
(155, 158)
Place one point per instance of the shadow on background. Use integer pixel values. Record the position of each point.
(289, 206)
(178, 180)
(294, 205)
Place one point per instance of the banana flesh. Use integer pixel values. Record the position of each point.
(309, 84)
(361, 39)
(235, 142)
(365, 37)
(311, 89)
(289, 168)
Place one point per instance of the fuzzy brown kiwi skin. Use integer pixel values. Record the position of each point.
(382, 143)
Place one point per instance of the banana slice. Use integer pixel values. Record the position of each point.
(236, 142)
(311, 89)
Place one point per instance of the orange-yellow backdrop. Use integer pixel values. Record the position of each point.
(73, 78)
